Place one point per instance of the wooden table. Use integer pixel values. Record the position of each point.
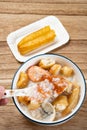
(15, 14)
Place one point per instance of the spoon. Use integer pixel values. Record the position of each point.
(47, 111)
(17, 92)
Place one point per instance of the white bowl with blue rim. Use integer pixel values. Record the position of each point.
(78, 76)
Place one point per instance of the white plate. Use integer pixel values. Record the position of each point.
(62, 37)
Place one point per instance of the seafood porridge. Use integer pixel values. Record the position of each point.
(53, 93)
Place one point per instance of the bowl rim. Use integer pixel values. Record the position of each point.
(63, 120)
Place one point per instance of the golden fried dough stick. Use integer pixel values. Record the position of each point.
(36, 43)
(73, 100)
(60, 103)
(23, 80)
(34, 35)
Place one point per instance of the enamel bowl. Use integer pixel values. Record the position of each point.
(78, 77)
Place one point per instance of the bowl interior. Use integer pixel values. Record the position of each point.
(79, 78)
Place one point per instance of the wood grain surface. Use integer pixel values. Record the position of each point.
(15, 14)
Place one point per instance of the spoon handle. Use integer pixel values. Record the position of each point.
(15, 92)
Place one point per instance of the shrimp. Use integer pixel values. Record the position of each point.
(36, 73)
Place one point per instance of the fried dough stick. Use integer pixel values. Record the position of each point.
(36, 43)
(34, 35)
